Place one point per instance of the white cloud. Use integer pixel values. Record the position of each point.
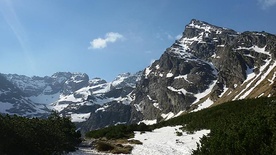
(267, 3)
(165, 35)
(110, 37)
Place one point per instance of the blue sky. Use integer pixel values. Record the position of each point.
(104, 38)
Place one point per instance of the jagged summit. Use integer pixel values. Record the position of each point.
(199, 33)
(197, 24)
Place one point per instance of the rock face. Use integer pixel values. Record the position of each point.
(111, 113)
(208, 65)
(14, 101)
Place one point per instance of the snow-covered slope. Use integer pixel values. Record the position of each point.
(100, 92)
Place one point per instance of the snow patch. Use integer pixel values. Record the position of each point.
(80, 117)
(179, 113)
(272, 79)
(101, 89)
(165, 141)
(168, 115)
(169, 75)
(59, 107)
(102, 108)
(45, 99)
(185, 77)
(220, 45)
(224, 91)
(147, 71)
(69, 98)
(204, 105)
(206, 92)
(148, 122)
(255, 48)
(179, 91)
(215, 56)
(156, 105)
(137, 107)
(157, 67)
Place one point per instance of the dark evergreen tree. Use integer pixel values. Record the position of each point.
(24, 136)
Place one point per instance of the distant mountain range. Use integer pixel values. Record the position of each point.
(71, 94)
(207, 66)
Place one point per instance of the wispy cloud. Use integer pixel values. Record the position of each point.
(167, 36)
(170, 37)
(267, 3)
(10, 16)
(110, 37)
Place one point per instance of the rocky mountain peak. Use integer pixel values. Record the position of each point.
(207, 65)
(205, 27)
(200, 39)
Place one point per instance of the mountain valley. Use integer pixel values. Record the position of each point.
(207, 66)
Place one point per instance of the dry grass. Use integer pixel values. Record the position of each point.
(118, 146)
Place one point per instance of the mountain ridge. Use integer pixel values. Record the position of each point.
(208, 65)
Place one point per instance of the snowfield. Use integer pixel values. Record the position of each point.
(163, 141)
